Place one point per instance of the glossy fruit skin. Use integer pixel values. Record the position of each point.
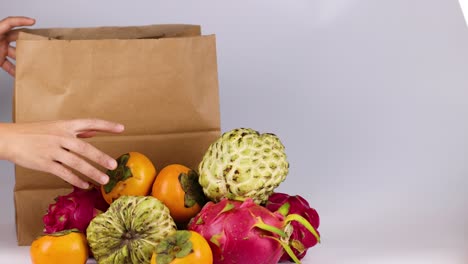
(201, 252)
(143, 173)
(230, 227)
(74, 210)
(300, 237)
(168, 189)
(70, 248)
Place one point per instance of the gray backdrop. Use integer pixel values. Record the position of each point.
(369, 98)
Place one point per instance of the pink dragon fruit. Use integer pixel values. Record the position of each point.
(74, 210)
(244, 232)
(301, 239)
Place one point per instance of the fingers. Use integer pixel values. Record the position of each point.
(66, 174)
(11, 22)
(90, 152)
(83, 126)
(80, 152)
(12, 35)
(12, 52)
(80, 165)
(87, 134)
(9, 67)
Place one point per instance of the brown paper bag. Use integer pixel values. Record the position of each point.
(159, 81)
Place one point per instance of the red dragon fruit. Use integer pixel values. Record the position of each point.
(244, 232)
(74, 210)
(301, 239)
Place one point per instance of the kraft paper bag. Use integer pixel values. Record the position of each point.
(160, 81)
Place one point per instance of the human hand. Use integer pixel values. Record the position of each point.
(55, 147)
(7, 35)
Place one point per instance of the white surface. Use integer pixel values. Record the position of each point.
(12, 254)
(369, 97)
(464, 7)
(9, 253)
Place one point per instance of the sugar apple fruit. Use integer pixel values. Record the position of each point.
(129, 230)
(241, 164)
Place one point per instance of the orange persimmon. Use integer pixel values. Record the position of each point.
(133, 176)
(177, 187)
(183, 247)
(69, 246)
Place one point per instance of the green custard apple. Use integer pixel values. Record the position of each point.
(242, 164)
(129, 230)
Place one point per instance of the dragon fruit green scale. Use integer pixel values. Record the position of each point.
(241, 164)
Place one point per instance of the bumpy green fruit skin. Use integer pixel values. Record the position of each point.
(243, 164)
(129, 230)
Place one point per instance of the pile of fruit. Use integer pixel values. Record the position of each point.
(226, 211)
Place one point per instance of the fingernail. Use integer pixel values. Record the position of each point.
(120, 127)
(104, 179)
(85, 185)
(112, 164)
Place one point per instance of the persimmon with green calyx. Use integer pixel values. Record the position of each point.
(183, 247)
(55, 248)
(134, 176)
(177, 187)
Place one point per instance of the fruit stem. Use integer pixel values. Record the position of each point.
(121, 173)
(288, 250)
(304, 222)
(64, 232)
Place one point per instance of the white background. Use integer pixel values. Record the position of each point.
(369, 97)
